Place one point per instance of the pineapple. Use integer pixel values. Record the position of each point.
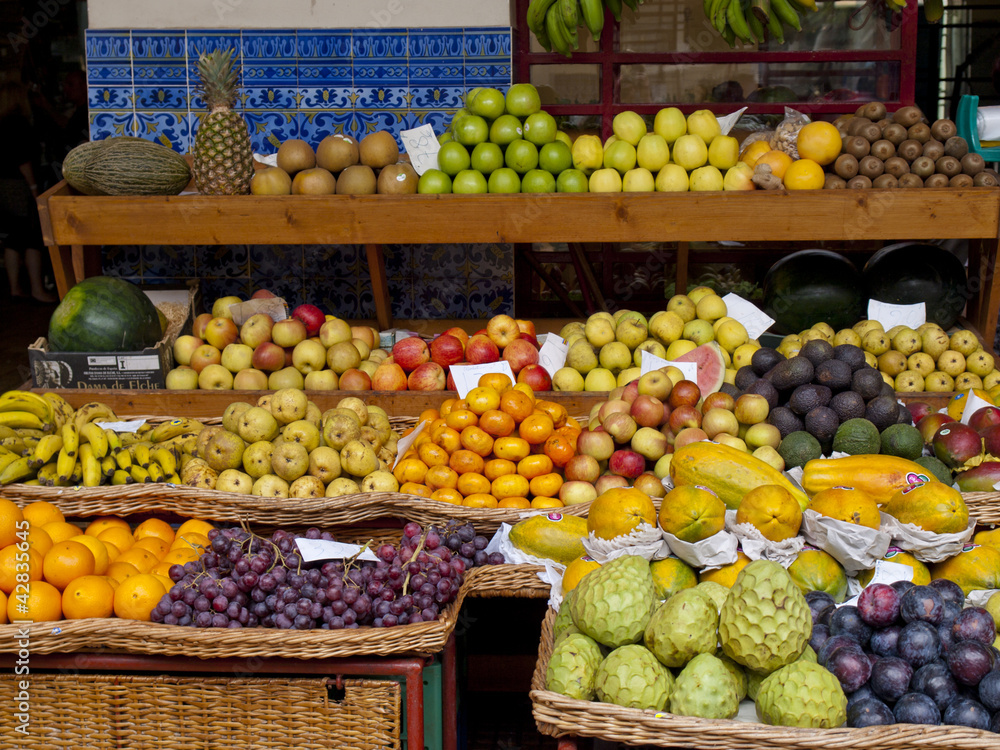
(223, 157)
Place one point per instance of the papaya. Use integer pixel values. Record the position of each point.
(618, 511)
(921, 575)
(976, 567)
(987, 538)
(730, 473)
(982, 478)
(553, 536)
(932, 506)
(816, 570)
(848, 505)
(880, 476)
(671, 575)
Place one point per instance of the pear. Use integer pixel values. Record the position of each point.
(907, 341)
(231, 416)
(270, 485)
(225, 451)
(257, 458)
(964, 342)
(951, 362)
(379, 481)
(306, 486)
(358, 459)
(289, 461)
(342, 486)
(234, 480)
(204, 436)
(934, 342)
(256, 424)
(582, 357)
(356, 405)
(340, 430)
(303, 432)
(289, 405)
(324, 464)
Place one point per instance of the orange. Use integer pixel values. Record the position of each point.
(113, 551)
(459, 419)
(545, 485)
(772, 510)
(154, 527)
(12, 563)
(429, 429)
(121, 538)
(136, 596)
(412, 488)
(441, 476)
(446, 495)
(520, 503)
(88, 596)
(119, 571)
(157, 547)
(446, 406)
(448, 438)
(572, 424)
(497, 423)
(60, 531)
(66, 561)
(619, 511)
(754, 151)
(432, 454)
(726, 575)
(141, 558)
(498, 381)
(482, 399)
(196, 525)
(480, 501)
(174, 557)
(778, 161)
(509, 485)
(517, 404)
(804, 174)
(410, 470)
(533, 466)
(38, 539)
(3, 608)
(189, 540)
(497, 467)
(161, 569)
(472, 483)
(42, 512)
(462, 403)
(547, 502)
(559, 448)
(97, 549)
(106, 522)
(576, 570)
(43, 603)
(524, 388)
(847, 504)
(819, 141)
(556, 411)
(11, 521)
(464, 461)
(428, 415)
(536, 428)
(511, 448)
(477, 440)
(692, 513)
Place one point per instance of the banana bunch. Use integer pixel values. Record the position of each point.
(26, 409)
(555, 23)
(754, 21)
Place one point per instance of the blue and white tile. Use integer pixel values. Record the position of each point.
(436, 118)
(441, 298)
(428, 71)
(489, 297)
(381, 97)
(326, 45)
(214, 288)
(436, 43)
(108, 45)
(430, 261)
(159, 45)
(488, 73)
(222, 261)
(269, 57)
(274, 260)
(159, 74)
(331, 261)
(161, 97)
(325, 97)
(109, 73)
(325, 73)
(121, 260)
(106, 124)
(109, 97)
(270, 97)
(337, 295)
(378, 71)
(167, 261)
(379, 43)
(491, 260)
(262, 125)
(488, 42)
(166, 128)
(331, 122)
(398, 261)
(257, 73)
(436, 97)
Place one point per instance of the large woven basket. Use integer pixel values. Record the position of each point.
(124, 712)
(559, 716)
(506, 581)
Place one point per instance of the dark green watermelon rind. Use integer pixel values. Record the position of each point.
(104, 314)
(799, 298)
(910, 274)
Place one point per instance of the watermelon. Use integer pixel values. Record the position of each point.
(104, 314)
(711, 366)
(908, 273)
(814, 286)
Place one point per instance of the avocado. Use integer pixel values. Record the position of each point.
(848, 405)
(867, 382)
(745, 377)
(856, 436)
(882, 412)
(765, 389)
(764, 359)
(835, 374)
(905, 417)
(822, 423)
(936, 467)
(790, 374)
(731, 389)
(887, 389)
(817, 351)
(786, 420)
(851, 354)
(903, 440)
(807, 397)
(798, 448)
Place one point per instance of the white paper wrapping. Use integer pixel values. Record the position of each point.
(855, 547)
(926, 546)
(646, 541)
(716, 551)
(756, 547)
(979, 597)
(552, 574)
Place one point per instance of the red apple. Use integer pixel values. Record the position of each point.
(268, 357)
(984, 418)
(221, 332)
(458, 333)
(502, 329)
(184, 347)
(203, 356)
(530, 338)
(447, 350)
(449, 383)
(290, 355)
(647, 411)
(389, 377)
(608, 482)
(627, 463)
(520, 353)
(481, 349)
(429, 376)
(355, 380)
(366, 333)
(583, 468)
(596, 443)
(262, 294)
(630, 391)
(718, 400)
(199, 325)
(288, 332)
(620, 426)
(480, 332)
(689, 435)
(685, 392)
(684, 416)
(256, 330)
(311, 316)
(918, 410)
(525, 326)
(536, 376)
(410, 353)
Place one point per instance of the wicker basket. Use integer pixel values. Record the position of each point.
(111, 712)
(506, 581)
(559, 716)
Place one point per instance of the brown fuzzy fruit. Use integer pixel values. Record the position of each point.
(846, 166)
(949, 166)
(985, 179)
(907, 116)
(885, 181)
(874, 111)
(859, 182)
(894, 133)
(883, 149)
(936, 181)
(870, 131)
(834, 182)
(956, 146)
(922, 166)
(909, 149)
(972, 164)
(871, 167)
(943, 129)
(857, 146)
(961, 181)
(856, 122)
(910, 180)
(934, 149)
(919, 132)
(896, 166)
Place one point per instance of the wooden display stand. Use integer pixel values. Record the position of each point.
(75, 226)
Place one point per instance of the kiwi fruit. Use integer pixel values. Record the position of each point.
(910, 180)
(871, 132)
(859, 182)
(883, 124)
(378, 149)
(919, 132)
(883, 149)
(314, 181)
(874, 111)
(856, 123)
(357, 179)
(972, 164)
(961, 181)
(885, 181)
(894, 133)
(949, 166)
(860, 111)
(934, 149)
(936, 181)
(337, 152)
(908, 150)
(397, 179)
(846, 166)
(907, 116)
(896, 166)
(923, 167)
(834, 182)
(295, 155)
(943, 129)
(956, 146)
(857, 146)
(871, 167)
(985, 179)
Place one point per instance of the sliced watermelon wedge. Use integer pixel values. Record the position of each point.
(711, 366)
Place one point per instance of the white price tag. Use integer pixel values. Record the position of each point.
(273, 306)
(317, 549)
(422, 146)
(650, 362)
(467, 376)
(130, 426)
(885, 572)
(747, 313)
(973, 403)
(897, 315)
(406, 441)
(552, 355)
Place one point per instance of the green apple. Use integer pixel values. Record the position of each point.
(470, 130)
(453, 157)
(445, 137)
(540, 128)
(739, 177)
(555, 157)
(723, 152)
(564, 137)
(673, 178)
(670, 123)
(690, 151)
(523, 100)
(469, 181)
(605, 181)
(487, 157)
(434, 181)
(571, 181)
(704, 123)
(504, 180)
(505, 129)
(488, 103)
(620, 155)
(588, 153)
(538, 181)
(652, 153)
(706, 178)
(629, 126)
(638, 180)
(521, 156)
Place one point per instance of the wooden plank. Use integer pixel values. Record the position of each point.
(380, 285)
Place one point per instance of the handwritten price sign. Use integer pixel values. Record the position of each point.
(422, 146)
(897, 315)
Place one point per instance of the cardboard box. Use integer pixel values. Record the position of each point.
(141, 370)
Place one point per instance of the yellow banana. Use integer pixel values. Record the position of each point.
(140, 453)
(185, 443)
(94, 411)
(90, 466)
(26, 401)
(156, 474)
(139, 474)
(6, 432)
(165, 458)
(18, 470)
(20, 418)
(32, 483)
(13, 444)
(61, 409)
(108, 465)
(172, 478)
(123, 459)
(27, 432)
(71, 440)
(47, 474)
(6, 459)
(29, 445)
(92, 434)
(129, 438)
(114, 441)
(45, 449)
(121, 476)
(173, 428)
(65, 463)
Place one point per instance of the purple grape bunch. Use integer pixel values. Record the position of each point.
(911, 654)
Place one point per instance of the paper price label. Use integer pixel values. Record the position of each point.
(889, 572)
(422, 146)
(753, 318)
(405, 443)
(275, 307)
(651, 362)
(130, 426)
(552, 355)
(317, 549)
(467, 376)
(973, 403)
(897, 315)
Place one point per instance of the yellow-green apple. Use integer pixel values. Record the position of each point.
(536, 376)
(481, 349)
(321, 380)
(342, 356)
(288, 332)
(620, 426)
(362, 346)
(502, 330)
(582, 468)
(199, 324)
(286, 377)
(366, 334)
(655, 383)
(576, 492)
(184, 347)
(309, 355)
(596, 443)
(459, 333)
(369, 366)
(236, 357)
(649, 443)
(607, 482)
(334, 331)
(611, 406)
(410, 353)
(250, 380)
(311, 316)
(205, 355)
(256, 329)
(429, 376)
(520, 353)
(221, 332)
(215, 378)
(220, 309)
(567, 379)
(268, 357)
(389, 377)
(182, 378)
(355, 380)
(447, 350)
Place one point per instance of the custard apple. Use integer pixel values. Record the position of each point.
(682, 627)
(705, 688)
(573, 667)
(715, 592)
(803, 694)
(755, 678)
(613, 604)
(765, 622)
(739, 674)
(631, 676)
(563, 624)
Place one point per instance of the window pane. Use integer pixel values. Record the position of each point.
(567, 84)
